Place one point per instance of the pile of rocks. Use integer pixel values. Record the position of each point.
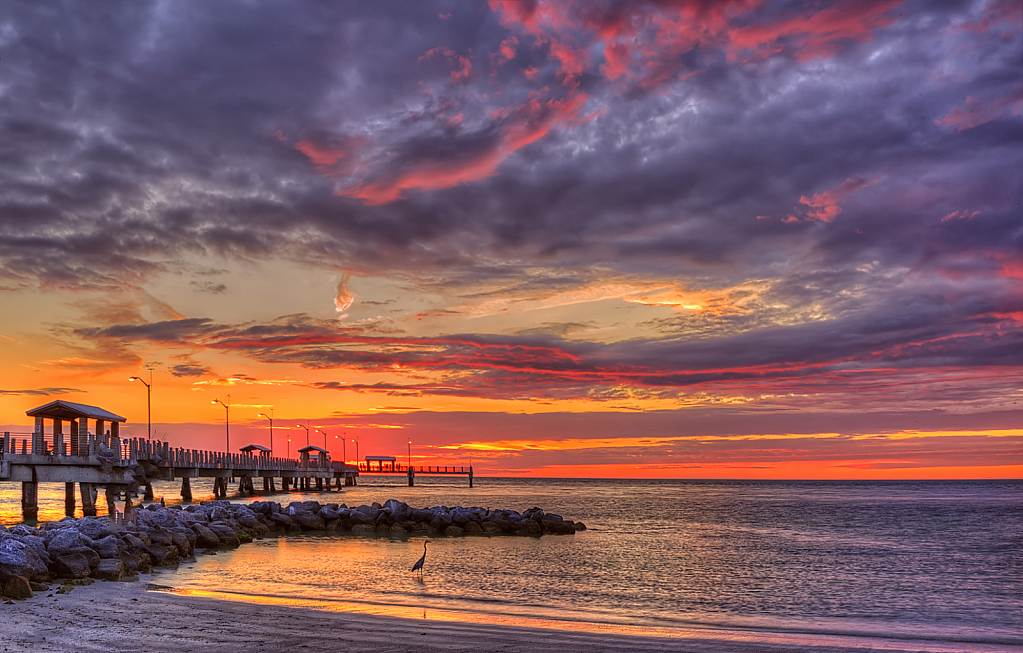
(94, 547)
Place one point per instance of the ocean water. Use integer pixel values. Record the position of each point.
(937, 563)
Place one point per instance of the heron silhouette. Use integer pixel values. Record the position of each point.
(419, 563)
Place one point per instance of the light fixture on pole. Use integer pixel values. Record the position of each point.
(344, 455)
(306, 433)
(324, 438)
(356, 441)
(149, 403)
(227, 419)
(410, 454)
(271, 418)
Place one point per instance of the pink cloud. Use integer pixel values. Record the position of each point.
(977, 112)
(825, 206)
(524, 124)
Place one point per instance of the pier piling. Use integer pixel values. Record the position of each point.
(29, 500)
(88, 499)
(69, 499)
(186, 490)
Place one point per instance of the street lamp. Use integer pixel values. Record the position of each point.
(344, 455)
(149, 403)
(306, 433)
(227, 419)
(410, 454)
(356, 441)
(324, 438)
(270, 417)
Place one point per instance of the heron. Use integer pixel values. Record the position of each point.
(419, 563)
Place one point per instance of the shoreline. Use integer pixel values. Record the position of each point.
(113, 617)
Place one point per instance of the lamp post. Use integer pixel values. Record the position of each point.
(289, 447)
(227, 419)
(344, 455)
(306, 433)
(324, 438)
(410, 454)
(149, 403)
(356, 441)
(270, 417)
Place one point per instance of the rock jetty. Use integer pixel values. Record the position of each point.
(73, 550)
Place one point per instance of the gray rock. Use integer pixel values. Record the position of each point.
(399, 510)
(205, 538)
(328, 513)
(363, 529)
(472, 528)
(94, 527)
(282, 519)
(454, 530)
(71, 565)
(311, 521)
(110, 570)
(13, 561)
(163, 555)
(108, 547)
(227, 535)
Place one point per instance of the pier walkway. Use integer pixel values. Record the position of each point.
(122, 466)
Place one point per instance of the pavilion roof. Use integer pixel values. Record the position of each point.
(61, 409)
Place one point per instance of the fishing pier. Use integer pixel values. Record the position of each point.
(101, 458)
(388, 466)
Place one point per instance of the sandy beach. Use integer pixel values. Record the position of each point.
(115, 617)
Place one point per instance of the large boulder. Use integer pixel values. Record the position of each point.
(18, 558)
(227, 535)
(94, 528)
(454, 530)
(13, 561)
(68, 540)
(72, 565)
(110, 570)
(163, 555)
(311, 521)
(17, 587)
(399, 510)
(108, 547)
(473, 528)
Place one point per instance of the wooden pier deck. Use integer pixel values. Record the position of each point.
(388, 466)
(92, 460)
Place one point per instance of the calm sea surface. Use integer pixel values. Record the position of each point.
(927, 561)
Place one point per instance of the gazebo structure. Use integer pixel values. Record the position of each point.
(255, 450)
(78, 415)
(313, 458)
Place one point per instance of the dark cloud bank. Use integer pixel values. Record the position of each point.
(864, 170)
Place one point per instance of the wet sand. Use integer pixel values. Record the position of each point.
(116, 617)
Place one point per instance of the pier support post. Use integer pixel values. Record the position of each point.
(186, 490)
(88, 500)
(470, 477)
(148, 496)
(29, 500)
(284, 484)
(266, 484)
(273, 486)
(411, 478)
(111, 508)
(319, 484)
(69, 499)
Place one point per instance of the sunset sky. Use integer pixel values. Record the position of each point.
(683, 239)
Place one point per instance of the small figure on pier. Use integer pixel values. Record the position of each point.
(419, 563)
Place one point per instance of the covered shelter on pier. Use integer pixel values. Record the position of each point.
(314, 456)
(255, 450)
(380, 463)
(78, 415)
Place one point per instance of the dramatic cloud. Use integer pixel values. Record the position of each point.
(568, 204)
